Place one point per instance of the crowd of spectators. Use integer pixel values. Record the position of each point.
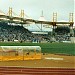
(9, 32)
(14, 33)
(64, 33)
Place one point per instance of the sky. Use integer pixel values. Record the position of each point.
(33, 8)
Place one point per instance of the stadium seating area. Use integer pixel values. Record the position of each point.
(62, 34)
(9, 32)
(14, 33)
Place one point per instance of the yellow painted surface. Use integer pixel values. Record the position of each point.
(28, 57)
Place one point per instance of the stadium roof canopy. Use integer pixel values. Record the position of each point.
(42, 18)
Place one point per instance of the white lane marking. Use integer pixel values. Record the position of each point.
(52, 58)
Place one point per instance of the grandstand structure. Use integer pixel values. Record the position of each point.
(19, 33)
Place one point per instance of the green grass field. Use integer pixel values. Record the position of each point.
(56, 48)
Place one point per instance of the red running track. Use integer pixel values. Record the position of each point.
(36, 71)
